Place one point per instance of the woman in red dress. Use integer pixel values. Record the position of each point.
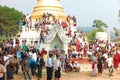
(119, 54)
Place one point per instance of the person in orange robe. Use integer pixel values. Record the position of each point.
(77, 45)
(85, 50)
(116, 60)
(70, 32)
(119, 54)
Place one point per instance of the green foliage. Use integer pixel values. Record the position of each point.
(117, 33)
(4, 37)
(91, 35)
(99, 24)
(9, 20)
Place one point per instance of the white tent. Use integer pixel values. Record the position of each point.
(102, 36)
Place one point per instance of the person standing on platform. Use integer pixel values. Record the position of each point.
(40, 62)
(77, 42)
(42, 37)
(49, 66)
(57, 68)
(62, 55)
(85, 49)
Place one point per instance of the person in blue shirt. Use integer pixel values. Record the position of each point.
(37, 47)
(11, 42)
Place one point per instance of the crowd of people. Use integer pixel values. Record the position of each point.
(41, 25)
(32, 60)
(103, 55)
(46, 19)
(13, 53)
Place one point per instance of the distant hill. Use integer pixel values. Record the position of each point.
(89, 29)
(86, 29)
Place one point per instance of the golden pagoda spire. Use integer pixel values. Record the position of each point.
(51, 6)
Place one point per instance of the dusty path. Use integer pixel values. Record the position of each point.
(78, 76)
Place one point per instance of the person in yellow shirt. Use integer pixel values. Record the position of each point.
(70, 47)
(45, 56)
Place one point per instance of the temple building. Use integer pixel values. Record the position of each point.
(56, 29)
(48, 6)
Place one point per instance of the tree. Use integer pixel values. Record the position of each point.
(117, 33)
(99, 25)
(9, 20)
(92, 34)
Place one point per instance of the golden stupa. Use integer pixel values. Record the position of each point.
(51, 6)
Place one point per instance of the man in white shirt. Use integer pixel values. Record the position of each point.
(110, 65)
(49, 66)
(76, 67)
(57, 68)
(62, 55)
(94, 65)
(33, 55)
(105, 56)
(33, 65)
(6, 58)
(90, 52)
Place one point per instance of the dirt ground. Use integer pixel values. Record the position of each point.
(77, 76)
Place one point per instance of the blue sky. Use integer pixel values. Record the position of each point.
(84, 10)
